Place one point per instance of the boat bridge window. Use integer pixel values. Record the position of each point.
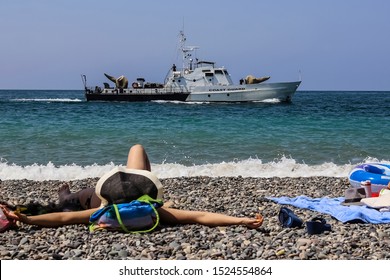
(209, 74)
(201, 63)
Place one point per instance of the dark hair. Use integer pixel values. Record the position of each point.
(35, 208)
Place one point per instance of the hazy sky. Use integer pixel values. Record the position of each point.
(334, 44)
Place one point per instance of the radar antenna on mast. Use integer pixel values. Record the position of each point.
(186, 50)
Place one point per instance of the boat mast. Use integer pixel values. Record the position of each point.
(186, 51)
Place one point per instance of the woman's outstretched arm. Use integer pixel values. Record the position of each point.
(176, 216)
(167, 215)
(52, 219)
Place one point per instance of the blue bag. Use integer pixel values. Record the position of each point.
(137, 216)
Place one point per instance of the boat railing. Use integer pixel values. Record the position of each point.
(147, 91)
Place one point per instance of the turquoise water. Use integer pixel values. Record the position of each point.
(317, 132)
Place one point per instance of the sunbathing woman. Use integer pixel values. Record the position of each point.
(88, 200)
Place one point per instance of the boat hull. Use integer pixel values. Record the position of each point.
(121, 97)
(245, 93)
(239, 93)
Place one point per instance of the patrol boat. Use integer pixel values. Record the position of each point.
(196, 81)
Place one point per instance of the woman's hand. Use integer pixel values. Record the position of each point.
(253, 222)
(13, 216)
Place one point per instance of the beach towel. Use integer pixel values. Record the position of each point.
(333, 207)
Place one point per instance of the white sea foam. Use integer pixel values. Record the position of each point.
(271, 100)
(181, 102)
(38, 172)
(247, 168)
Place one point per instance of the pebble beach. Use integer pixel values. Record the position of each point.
(236, 196)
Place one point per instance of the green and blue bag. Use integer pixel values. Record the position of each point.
(137, 216)
(130, 199)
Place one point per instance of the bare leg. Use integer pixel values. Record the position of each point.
(84, 199)
(137, 158)
(87, 198)
(63, 192)
(68, 201)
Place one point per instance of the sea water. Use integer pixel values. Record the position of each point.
(57, 135)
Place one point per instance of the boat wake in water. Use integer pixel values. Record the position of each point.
(46, 100)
